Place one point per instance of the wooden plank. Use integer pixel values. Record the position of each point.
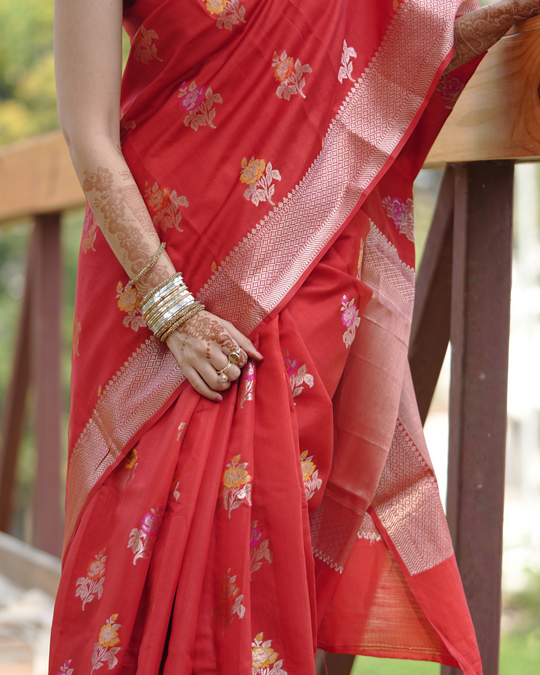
(46, 345)
(479, 333)
(327, 663)
(498, 114)
(430, 330)
(27, 566)
(14, 405)
(36, 176)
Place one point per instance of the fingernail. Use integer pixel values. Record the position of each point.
(218, 398)
(259, 354)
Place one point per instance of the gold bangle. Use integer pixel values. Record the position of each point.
(158, 288)
(171, 316)
(162, 328)
(149, 265)
(176, 325)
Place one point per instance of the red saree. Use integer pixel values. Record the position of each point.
(275, 144)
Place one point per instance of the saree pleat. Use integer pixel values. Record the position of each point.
(302, 510)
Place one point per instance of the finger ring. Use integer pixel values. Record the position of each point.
(234, 357)
(222, 374)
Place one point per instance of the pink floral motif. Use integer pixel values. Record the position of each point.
(310, 474)
(297, 376)
(290, 74)
(91, 585)
(402, 213)
(105, 649)
(142, 541)
(229, 601)
(258, 549)
(65, 669)
(350, 319)
(89, 231)
(199, 102)
(236, 485)
(165, 206)
(247, 384)
(450, 88)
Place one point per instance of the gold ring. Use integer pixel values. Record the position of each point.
(222, 374)
(234, 357)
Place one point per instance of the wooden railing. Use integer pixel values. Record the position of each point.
(463, 295)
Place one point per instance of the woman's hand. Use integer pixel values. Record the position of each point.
(202, 345)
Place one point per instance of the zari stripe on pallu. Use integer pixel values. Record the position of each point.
(265, 266)
(137, 391)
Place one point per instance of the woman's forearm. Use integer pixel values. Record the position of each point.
(477, 31)
(119, 209)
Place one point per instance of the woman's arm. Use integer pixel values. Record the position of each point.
(88, 63)
(477, 31)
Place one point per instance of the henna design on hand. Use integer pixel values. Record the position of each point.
(477, 31)
(204, 326)
(119, 205)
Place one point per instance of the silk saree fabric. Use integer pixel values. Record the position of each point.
(275, 144)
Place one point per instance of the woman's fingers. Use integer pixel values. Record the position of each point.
(244, 342)
(200, 385)
(220, 361)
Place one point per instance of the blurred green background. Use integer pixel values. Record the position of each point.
(27, 108)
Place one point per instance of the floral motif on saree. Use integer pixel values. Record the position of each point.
(290, 74)
(143, 47)
(310, 474)
(199, 104)
(229, 601)
(259, 176)
(402, 213)
(258, 549)
(298, 376)
(346, 67)
(89, 231)
(128, 301)
(350, 319)
(65, 669)
(236, 485)
(247, 384)
(264, 658)
(142, 541)
(126, 472)
(91, 585)
(231, 12)
(105, 649)
(165, 206)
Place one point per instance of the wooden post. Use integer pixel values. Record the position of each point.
(430, 330)
(14, 406)
(46, 343)
(327, 663)
(479, 334)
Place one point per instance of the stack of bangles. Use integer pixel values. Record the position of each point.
(167, 306)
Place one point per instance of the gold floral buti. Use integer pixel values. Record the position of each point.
(229, 601)
(264, 659)
(106, 647)
(310, 474)
(91, 586)
(236, 484)
(258, 175)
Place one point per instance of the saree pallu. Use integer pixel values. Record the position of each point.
(275, 145)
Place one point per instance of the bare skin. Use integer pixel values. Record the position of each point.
(88, 77)
(477, 31)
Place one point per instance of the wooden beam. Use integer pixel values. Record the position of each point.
(46, 345)
(430, 330)
(479, 334)
(36, 176)
(13, 412)
(327, 663)
(498, 114)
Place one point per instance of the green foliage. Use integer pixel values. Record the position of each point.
(27, 91)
